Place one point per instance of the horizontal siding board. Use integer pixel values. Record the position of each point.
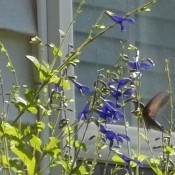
(102, 51)
(116, 5)
(18, 16)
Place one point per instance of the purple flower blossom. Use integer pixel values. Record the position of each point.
(119, 20)
(58, 88)
(84, 114)
(138, 66)
(128, 160)
(129, 92)
(109, 112)
(111, 135)
(82, 88)
(115, 87)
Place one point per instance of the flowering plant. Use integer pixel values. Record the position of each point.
(54, 140)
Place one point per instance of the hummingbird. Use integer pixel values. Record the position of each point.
(154, 107)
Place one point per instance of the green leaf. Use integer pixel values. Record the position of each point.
(53, 147)
(142, 157)
(19, 100)
(29, 94)
(44, 72)
(117, 159)
(56, 51)
(72, 142)
(10, 67)
(52, 144)
(35, 143)
(35, 40)
(68, 129)
(65, 84)
(169, 150)
(32, 109)
(82, 170)
(153, 163)
(40, 126)
(4, 161)
(64, 164)
(7, 129)
(54, 79)
(28, 160)
(36, 63)
(133, 164)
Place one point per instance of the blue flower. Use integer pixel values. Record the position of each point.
(111, 135)
(129, 92)
(138, 66)
(82, 88)
(58, 88)
(128, 160)
(84, 114)
(108, 111)
(119, 20)
(116, 86)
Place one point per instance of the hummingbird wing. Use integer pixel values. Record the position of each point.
(156, 105)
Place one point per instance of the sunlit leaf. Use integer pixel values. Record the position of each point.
(64, 164)
(44, 72)
(54, 79)
(4, 161)
(53, 143)
(169, 150)
(133, 164)
(68, 129)
(82, 170)
(65, 84)
(117, 159)
(153, 163)
(35, 142)
(142, 157)
(10, 130)
(35, 40)
(32, 109)
(40, 125)
(10, 67)
(26, 158)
